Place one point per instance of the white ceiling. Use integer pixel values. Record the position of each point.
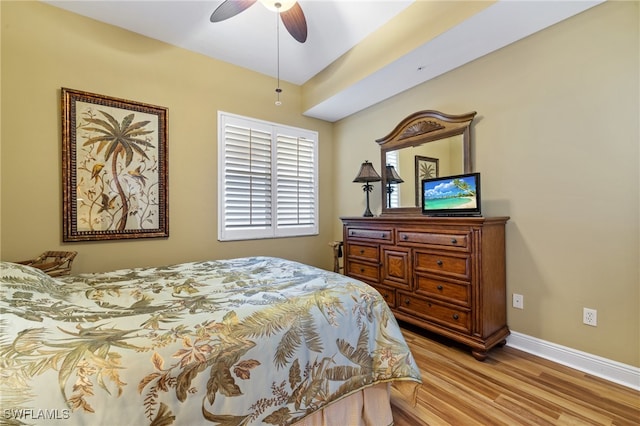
(334, 26)
(249, 38)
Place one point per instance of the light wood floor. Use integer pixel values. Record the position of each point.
(510, 387)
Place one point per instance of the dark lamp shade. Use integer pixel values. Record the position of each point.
(392, 175)
(367, 173)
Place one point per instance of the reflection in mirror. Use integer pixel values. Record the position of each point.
(393, 178)
(443, 157)
(425, 144)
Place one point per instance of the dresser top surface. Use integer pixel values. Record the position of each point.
(460, 220)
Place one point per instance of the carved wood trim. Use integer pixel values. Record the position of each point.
(424, 126)
(420, 128)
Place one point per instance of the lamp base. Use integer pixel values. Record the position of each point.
(367, 189)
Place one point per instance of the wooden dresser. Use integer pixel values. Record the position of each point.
(446, 275)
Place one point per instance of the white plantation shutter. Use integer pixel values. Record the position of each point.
(268, 184)
(296, 190)
(392, 160)
(247, 173)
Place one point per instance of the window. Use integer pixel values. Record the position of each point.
(268, 179)
(394, 198)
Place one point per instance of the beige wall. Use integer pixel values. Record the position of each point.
(45, 48)
(556, 141)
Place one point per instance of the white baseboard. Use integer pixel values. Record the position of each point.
(607, 369)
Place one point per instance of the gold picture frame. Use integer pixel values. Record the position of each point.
(114, 166)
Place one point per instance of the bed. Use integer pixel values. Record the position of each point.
(246, 341)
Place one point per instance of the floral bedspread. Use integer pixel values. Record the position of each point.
(245, 341)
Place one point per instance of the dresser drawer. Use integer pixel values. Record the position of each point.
(432, 310)
(361, 251)
(388, 295)
(443, 263)
(459, 241)
(452, 292)
(362, 270)
(381, 235)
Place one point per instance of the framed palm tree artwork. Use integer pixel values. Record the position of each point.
(426, 168)
(114, 166)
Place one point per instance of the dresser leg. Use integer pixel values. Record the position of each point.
(480, 356)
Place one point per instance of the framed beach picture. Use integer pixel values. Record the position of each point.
(426, 168)
(114, 166)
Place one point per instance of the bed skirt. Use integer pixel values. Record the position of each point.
(368, 407)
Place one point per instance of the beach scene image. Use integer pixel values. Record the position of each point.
(459, 193)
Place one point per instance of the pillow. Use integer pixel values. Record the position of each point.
(23, 276)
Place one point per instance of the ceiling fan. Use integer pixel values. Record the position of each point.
(289, 10)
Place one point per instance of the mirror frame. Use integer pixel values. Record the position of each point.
(419, 128)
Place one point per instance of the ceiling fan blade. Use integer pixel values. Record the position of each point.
(230, 8)
(294, 21)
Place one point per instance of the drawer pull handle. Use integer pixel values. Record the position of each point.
(440, 287)
(439, 262)
(361, 251)
(405, 237)
(361, 270)
(454, 241)
(456, 317)
(383, 235)
(406, 301)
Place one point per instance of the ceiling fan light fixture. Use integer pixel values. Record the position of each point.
(278, 5)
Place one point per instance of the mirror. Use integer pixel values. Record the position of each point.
(424, 144)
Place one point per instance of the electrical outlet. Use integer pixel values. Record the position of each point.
(590, 316)
(518, 301)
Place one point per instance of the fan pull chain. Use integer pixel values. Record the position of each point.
(278, 89)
